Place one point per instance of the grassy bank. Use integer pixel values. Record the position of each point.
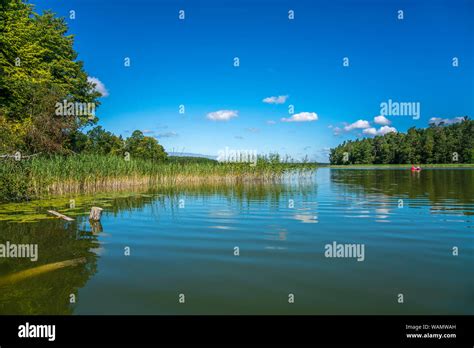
(445, 165)
(40, 177)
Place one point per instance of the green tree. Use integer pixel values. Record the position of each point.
(145, 147)
(100, 141)
(38, 63)
(428, 146)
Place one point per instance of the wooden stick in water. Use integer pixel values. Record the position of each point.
(35, 271)
(67, 218)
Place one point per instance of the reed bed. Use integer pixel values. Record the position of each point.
(58, 175)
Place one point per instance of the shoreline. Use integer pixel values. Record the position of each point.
(397, 166)
(40, 178)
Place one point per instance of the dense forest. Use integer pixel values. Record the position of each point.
(439, 143)
(39, 73)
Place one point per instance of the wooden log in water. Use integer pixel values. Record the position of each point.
(35, 271)
(67, 218)
(95, 214)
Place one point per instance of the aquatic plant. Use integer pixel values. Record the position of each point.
(57, 175)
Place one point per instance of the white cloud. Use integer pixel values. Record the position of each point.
(386, 129)
(366, 128)
(336, 131)
(381, 131)
(222, 115)
(147, 131)
(281, 99)
(252, 130)
(382, 120)
(302, 117)
(167, 135)
(271, 122)
(360, 124)
(438, 120)
(370, 131)
(99, 86)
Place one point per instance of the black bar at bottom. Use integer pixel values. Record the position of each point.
(139, 330)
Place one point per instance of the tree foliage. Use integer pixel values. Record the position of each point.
(39, 70)
(144, 147)
(102, 142)
(34, 49)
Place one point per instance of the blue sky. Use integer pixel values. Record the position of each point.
(190, 62)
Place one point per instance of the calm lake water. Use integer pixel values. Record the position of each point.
(183, 242)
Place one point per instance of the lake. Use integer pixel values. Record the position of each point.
(253, 248)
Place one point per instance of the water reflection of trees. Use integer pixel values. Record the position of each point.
(435, 185)
(242, 194)
(49, 292)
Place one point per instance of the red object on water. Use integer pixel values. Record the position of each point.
(415, 169)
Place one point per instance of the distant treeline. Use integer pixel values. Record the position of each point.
(439, 143)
